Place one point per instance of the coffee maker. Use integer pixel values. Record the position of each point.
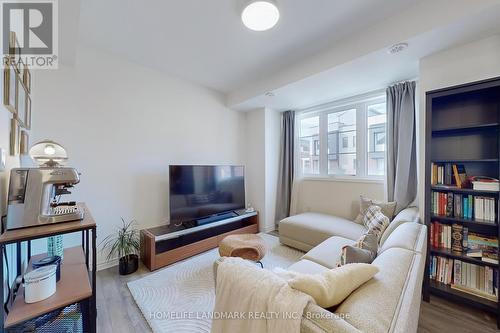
(35, 193)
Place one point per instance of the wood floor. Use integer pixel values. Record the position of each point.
(117, 311)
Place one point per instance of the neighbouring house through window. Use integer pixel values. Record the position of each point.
(328, 136)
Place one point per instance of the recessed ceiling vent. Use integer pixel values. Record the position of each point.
(396, 48)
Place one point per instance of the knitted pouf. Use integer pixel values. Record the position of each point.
(246, 246)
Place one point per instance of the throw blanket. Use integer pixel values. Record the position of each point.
(251, 299)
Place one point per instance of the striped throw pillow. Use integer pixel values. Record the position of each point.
(375, 221)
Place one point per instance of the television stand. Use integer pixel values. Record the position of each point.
(162, 246)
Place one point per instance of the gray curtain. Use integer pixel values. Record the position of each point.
(401, 144)
(286, 165)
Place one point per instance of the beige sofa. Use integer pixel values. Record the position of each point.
(389, 302)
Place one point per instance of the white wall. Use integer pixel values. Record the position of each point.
(262, 157)
(272, 145)
(11, 162)
(335, 197)
(471, 62)
(123, 124)
(255, 162)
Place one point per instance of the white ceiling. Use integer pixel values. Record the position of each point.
(205, 42)
(375, 70)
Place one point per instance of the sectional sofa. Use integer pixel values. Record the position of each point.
(389, 302)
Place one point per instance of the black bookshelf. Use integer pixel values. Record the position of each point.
(462, 127)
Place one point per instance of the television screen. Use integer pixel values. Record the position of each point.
(198, 191)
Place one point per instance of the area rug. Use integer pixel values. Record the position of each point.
(180, 298)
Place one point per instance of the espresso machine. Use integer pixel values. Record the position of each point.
(35, 197)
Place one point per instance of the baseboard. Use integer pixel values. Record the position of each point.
(108, 264)
(268, 229)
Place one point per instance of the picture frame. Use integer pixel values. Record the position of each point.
(14, 51)
(28, 112)
(27, 78)
(21, 102)
(23, 142)
(14, 137)
(9, 89)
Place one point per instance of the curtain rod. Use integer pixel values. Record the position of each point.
(403, 81)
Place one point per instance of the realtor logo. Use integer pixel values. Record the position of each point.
(29, 33)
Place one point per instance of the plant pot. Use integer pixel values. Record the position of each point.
(128, 264)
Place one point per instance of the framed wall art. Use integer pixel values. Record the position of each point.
(23, 142)
(9, 89)
(21, 102)
(28, 112)
(27, 78)
(14, 51)
(14, 137)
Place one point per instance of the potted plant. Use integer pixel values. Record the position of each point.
(124, 244)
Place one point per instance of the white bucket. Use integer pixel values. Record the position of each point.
(40, 284)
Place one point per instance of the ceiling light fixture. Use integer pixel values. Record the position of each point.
(260, 15)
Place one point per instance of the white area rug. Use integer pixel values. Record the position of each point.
(180, 298)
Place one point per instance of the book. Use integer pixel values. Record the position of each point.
(457, 237)
(490, 256)
(474, 253)
(470, 278)
(475, 292)
(465, 238)
(449, 204)
(482, 183)
(460, 175)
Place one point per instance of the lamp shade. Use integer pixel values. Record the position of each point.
(48, 153)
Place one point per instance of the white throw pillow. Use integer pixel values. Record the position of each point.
(333, 286)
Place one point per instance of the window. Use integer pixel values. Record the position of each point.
(377, 118)
(309, 145)
(341, 160)
(345, 139)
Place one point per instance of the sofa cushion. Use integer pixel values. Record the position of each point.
(305, 266)
(314, 228)
(372, 306)
(332, 286)
(406, 236)
(409, 214)
(328, 252)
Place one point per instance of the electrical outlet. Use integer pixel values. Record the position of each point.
(3, 157)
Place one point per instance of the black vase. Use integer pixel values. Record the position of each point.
(128, 264)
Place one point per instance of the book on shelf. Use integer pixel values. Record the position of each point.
(465, 206)
(460, 175)
(443, 174)
(470, 278)
(475, 253)
(481, 183)
(460, 240)
(490, 256)
(457, 237)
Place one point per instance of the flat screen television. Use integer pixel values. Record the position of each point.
(200, 191)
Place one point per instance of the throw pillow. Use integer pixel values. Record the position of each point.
(388, 208)
(333, 286)
(375, 221)
(365, 250)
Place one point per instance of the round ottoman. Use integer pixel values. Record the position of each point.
(247, 246)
